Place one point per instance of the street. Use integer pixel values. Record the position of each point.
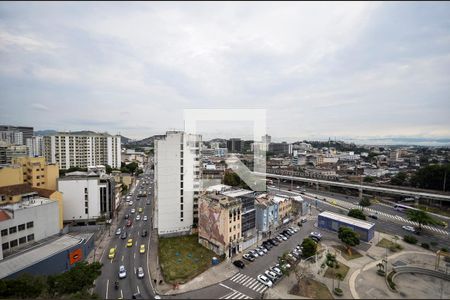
(129, 256)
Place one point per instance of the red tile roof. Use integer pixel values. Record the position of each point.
(17, 189)
(4, 216)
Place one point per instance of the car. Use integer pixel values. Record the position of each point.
(248, 257)
(130, 203)
(261, 248)
(409, 228)
(239, 263)
(144, 233)
(316, 234)
(138, 217)
(142, 249)
(140, 272)
(133, 211)
(296, 254)
(148, 203)
(271, 275)
(254, 253)
(145, 218)
(140, 209)
(267, 245)
(118, 231)
(304, 220)
(259, 251)
(283, 237)
(127, 216)
(279, 238)
(264, 280)
(373, 216)
(112, 253)
(291, 257)
(136, 296)
(130, 243)
(315, 239)
(277, 271)
(129, 222)
(291, 230)
(122, 272)
(274, 241)
(124, 235)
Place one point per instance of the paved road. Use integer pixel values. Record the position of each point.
(386, 225)
(129, 256)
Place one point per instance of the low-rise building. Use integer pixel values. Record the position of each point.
(266, 214)
(27, 221)
(284, 208)
(37, 172)
(87, 196)
(220, 222)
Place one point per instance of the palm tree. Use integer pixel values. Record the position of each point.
(339, 277)
(420, 216)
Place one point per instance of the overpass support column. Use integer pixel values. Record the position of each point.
(317, 186)
(360, 194)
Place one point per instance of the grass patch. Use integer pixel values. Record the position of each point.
(183, 258)
(385, 243)
(342, 269)
(310, 288)
(345, 254)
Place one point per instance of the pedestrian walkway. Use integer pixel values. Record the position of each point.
(249, 282)
(235, 295)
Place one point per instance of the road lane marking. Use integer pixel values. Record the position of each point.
(138, 289)
(122, 258)
(134, 256)
(121, 294)
(107, 286)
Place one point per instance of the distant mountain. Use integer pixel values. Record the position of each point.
(44, 132)
(147, 141)
(124, 139)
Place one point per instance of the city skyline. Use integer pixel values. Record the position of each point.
(353, 70)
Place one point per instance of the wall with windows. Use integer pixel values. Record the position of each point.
(29, 221)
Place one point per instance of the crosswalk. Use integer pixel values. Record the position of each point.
(249, 282)
(235, 295)
(386, 215)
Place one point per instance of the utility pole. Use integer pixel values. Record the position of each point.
(445, 179)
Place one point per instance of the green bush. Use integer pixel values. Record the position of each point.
(410, 239)
(425, 245)
(444, 249)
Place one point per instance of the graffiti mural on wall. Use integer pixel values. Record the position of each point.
(209, 223)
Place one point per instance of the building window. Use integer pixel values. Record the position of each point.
(38, 184)
(13, 243)
(86, 197)
(86, 210)
(230, 229)
(4, 232)
(238, 235)
(181, 184)
(5, 246)
(181, 215)
(181, 177)
(22, 240)
(12, 229)
(30, 237)
(181, 220)
(181, 207)
(21, 227)
(30, 225)
(234, 236)
(85, 190)
(181, 170)
(181, 199)
(37, 177)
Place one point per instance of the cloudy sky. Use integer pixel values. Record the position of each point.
(319, 70)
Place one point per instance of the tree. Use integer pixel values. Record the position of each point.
(348, 237)
(356, 213)
(309, 247)
(25, 286)
(399, 179)
(432, 177)
(108, 169)
(365, 202)
(369, 179)
(420, 216)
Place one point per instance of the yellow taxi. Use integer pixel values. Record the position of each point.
(112, 253)
(140, 209)
(142, 249)
(130, 243)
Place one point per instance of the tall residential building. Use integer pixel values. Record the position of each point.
(37, 172)
(8, 152)
(177, 182)
(12, 137)
(235, 145)
(35, 146)
(83, 149)
(27, 132)
(87, 196)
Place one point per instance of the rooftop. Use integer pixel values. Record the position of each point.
(22, 260)
(35, 201)
(348, 220)
(17, 189)
(237, 193)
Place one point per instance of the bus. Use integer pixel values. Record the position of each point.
(403, 208)
(409, 199)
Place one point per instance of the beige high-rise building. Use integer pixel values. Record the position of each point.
(83, 149)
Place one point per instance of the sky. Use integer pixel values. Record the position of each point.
(340, 70)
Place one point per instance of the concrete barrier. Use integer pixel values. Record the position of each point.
(429, 272)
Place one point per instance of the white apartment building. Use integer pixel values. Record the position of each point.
(35, 146)
(27, 221)
(12, 137)
(87, 196)
(177, 182)
(83, 149)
